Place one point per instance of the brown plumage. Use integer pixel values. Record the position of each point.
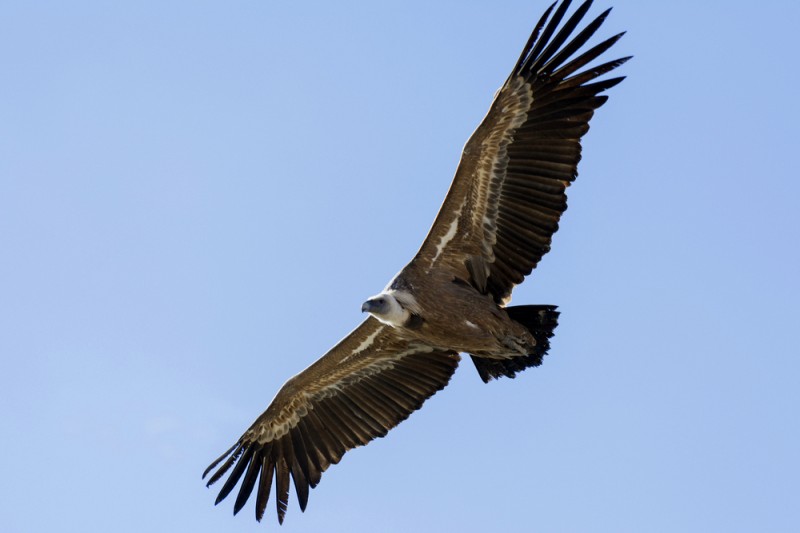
(494, 226)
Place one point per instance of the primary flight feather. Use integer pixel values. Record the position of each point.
(495, 224)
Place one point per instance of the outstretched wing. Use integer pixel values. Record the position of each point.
(363, 387)
(509, 191)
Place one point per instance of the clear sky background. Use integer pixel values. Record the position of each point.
(196, 197)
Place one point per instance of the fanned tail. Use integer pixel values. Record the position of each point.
(541, 321)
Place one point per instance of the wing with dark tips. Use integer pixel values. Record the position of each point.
(509, 192)
(366, 385)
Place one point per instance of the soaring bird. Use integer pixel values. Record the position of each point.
(496, 223)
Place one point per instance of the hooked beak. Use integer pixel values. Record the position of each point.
(367, 306)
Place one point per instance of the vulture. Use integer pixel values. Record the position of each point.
(496, 223)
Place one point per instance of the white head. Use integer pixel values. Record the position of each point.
(386, 308)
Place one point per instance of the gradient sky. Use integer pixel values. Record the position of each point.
(196, 197)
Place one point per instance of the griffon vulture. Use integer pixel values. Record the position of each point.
(494, 226)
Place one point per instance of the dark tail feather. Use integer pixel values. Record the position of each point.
(540, 320)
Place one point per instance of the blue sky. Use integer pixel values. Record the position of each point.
(196, 197)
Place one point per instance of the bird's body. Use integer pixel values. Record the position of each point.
(447, 312)
(495, 224)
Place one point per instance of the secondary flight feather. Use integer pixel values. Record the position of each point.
(496, 223)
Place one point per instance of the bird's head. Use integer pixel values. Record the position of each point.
(386, 308)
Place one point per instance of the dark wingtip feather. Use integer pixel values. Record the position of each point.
(612, 82)
(281, 481)
(236, 473)
(281, 511)
(563, 34)
(300, 486)
(547, 34)
(217, 461)
(611, 41)
(225, 466)
(264, 483)
(248, 482)
(532, 39)
(559, 56)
